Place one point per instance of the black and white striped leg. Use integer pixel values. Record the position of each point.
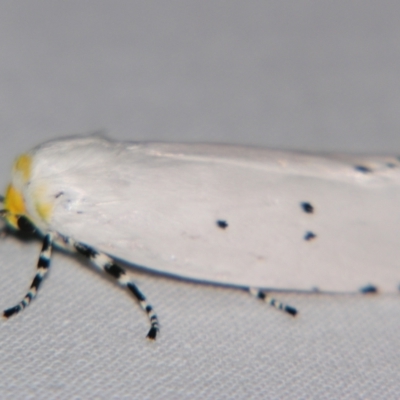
(105, 263)
(42, 270)
(260, 294)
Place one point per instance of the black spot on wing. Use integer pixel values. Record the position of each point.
(362, 168)
(222, 224)
(391, 165)
(369, 289)
(309, 236)
(307, 207)
(58, 195)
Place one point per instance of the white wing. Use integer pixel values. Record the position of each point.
(158, 206)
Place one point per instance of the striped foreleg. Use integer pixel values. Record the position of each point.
(42, 270)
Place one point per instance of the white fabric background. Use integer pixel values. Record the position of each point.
(304, 75)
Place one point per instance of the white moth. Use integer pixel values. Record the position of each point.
(230, 215)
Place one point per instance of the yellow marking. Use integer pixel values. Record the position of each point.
(43, 208)
(23, 165)
(14, 204)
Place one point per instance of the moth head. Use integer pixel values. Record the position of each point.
(15, 211)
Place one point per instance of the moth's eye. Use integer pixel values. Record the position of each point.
(25, 225)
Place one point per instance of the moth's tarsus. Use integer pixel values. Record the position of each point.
(291, 310)
(11, 311)
(264, 296)
(152, 333)
(43, 265)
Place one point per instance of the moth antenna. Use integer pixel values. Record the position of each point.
(106, 264)
(42, 270)
(262, 295)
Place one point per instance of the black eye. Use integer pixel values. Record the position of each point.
(25, 225)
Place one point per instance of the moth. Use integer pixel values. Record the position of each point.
(241, 216)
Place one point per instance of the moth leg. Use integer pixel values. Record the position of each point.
(105, 263)
(262, 295)
(42, 270)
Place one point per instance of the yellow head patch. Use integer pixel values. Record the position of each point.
(36, 206)
(14, 204)
(14, 201)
